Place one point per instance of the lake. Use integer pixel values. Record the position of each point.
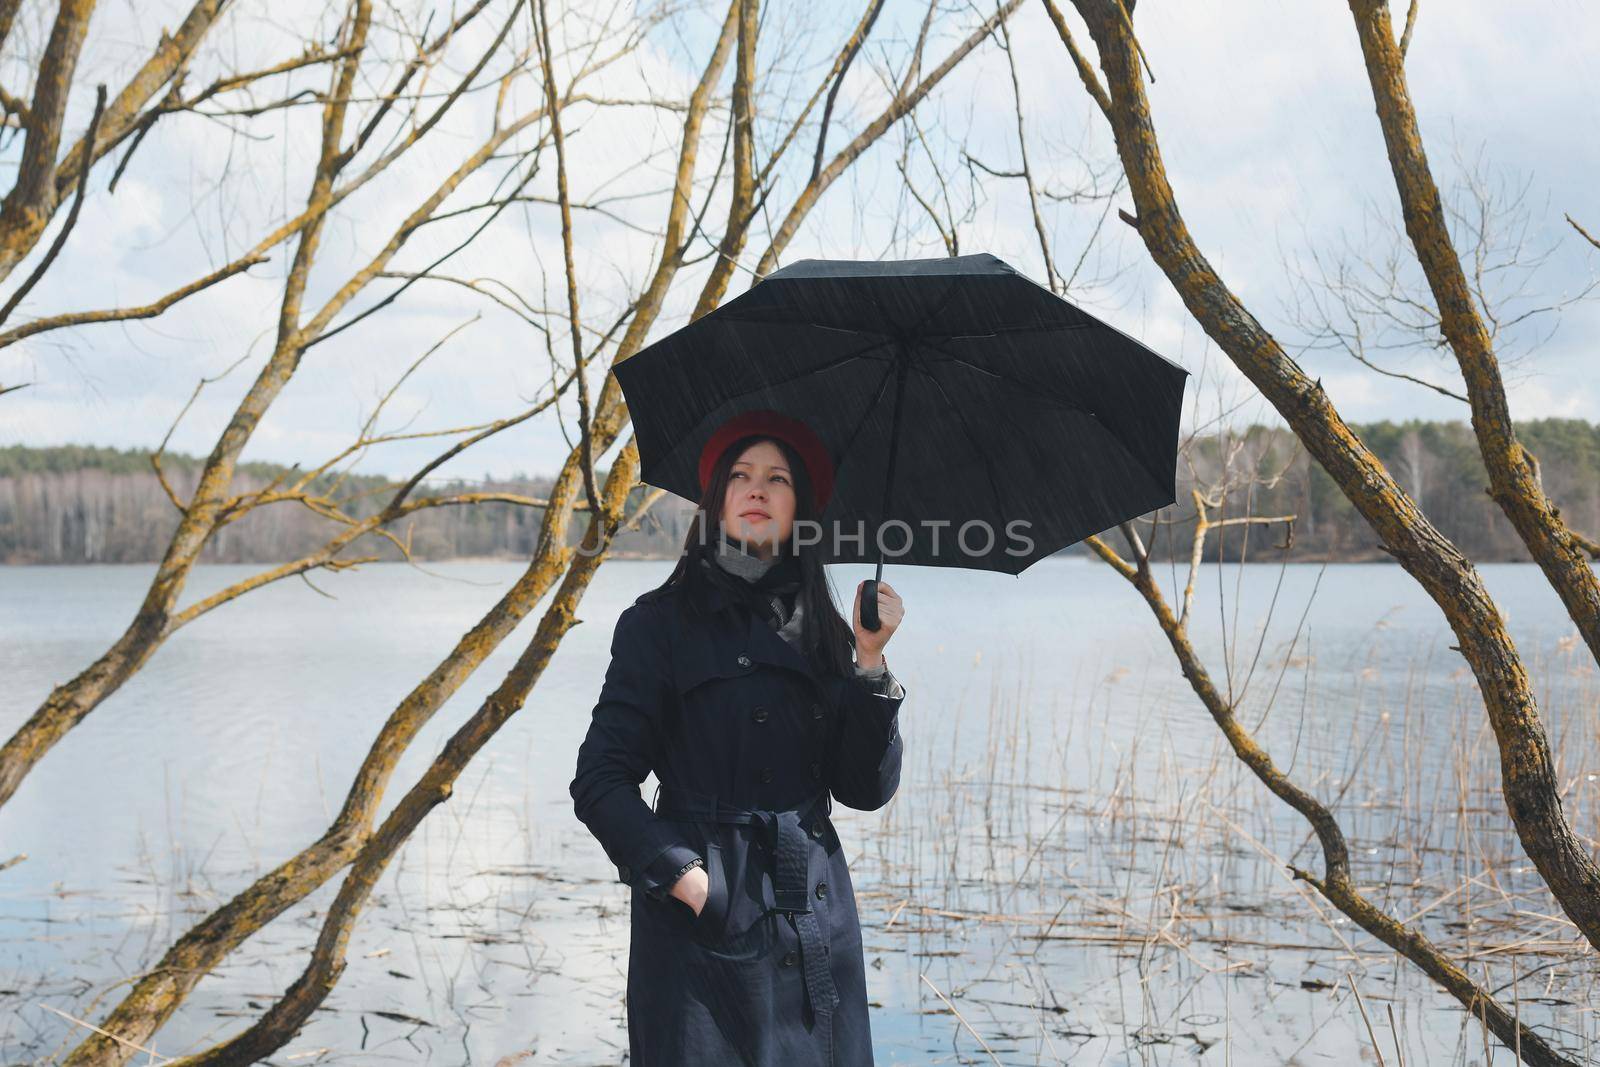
(1075, 868)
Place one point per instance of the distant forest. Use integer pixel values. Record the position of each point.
(79, 504)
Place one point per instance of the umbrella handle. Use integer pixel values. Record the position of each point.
(869, 606)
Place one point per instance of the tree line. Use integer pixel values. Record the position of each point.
(83, 504)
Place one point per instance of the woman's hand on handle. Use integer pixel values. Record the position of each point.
(869, 643)
(692, 888)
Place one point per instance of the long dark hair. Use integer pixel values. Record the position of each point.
(826, 637)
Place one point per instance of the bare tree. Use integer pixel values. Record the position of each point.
(1514, 482)
(353, 840)
(213, 504)
(1531, 791)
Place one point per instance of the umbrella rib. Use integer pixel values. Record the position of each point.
(1016, 329)
(872, 405)
(846, 329)
(994, 483)
(858, 354)
(1033, 389)
(910, 334)
(938, 305)
(1029, 387)
(870, 295)
(765, 318)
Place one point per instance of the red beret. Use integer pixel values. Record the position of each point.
(799, 436)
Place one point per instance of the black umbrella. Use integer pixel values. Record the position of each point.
(996, 421)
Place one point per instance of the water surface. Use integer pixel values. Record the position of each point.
(1074, 863)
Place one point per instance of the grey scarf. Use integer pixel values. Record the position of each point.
(749, 567)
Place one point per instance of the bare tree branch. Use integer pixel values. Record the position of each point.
(41, 181)
(1411, 25)
(1091, 80)
(143, 311)
(853, 46)
(547, 65)
(1583, 232)
(66, 227)
(30, 203)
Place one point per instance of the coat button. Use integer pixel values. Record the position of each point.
(822, 890)
(816, 711)
(624, 874)
(788, 959)
(816, 831)
(760, 714)
(816, 770)
(766, 774)
(744, 660)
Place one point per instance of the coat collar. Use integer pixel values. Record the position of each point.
(761, 642)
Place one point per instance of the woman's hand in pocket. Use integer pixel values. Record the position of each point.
(692, 888)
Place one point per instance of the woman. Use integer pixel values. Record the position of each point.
(733, 682)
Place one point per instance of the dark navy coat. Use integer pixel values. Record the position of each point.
(751, 747)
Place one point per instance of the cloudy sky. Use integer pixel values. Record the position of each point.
(1266, 123)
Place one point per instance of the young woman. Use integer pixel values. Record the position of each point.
(733, 681)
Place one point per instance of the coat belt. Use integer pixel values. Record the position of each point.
(785, 832)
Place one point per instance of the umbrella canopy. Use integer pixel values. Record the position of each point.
(995, 421)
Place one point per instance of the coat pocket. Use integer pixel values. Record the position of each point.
(710, 925)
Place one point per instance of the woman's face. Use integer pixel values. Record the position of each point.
(758, 507)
